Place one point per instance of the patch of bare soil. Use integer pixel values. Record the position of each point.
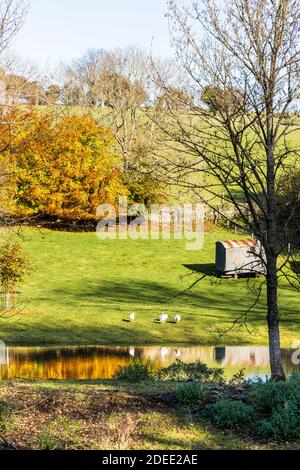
(45, 418)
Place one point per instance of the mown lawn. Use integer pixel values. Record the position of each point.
(83, 290)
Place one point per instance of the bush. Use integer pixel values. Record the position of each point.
(14, 265)
(278, 403)
(195, 371)
(267, 397)
(190, 393)
(134, 372)
(284, 423)
(229, 414)
(238, 378)
(272, 409)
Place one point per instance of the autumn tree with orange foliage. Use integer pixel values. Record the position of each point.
(60, 167)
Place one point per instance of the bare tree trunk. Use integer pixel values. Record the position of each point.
(277, 371)
(249, 82)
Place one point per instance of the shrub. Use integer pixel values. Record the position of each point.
(267, 397)
(14, 265)
(134, 372)
(195, 371)
(229, 414)
(238, 378)
(190, 393)
(284, 423)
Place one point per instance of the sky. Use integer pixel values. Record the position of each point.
(62, 30)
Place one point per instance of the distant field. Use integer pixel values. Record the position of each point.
(83, 289)
(174, 191)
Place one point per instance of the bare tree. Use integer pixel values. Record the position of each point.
(245, 55)
(20, 81)
(88, 71)
(123, 99)
(119, 81)
(12, 16)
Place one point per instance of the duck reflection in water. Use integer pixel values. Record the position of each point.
(132, 352)
(164, 353)
(102, 362)
(177, 354)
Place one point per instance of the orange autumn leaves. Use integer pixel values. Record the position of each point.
(59, 166)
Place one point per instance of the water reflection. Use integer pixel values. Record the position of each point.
(102, 362)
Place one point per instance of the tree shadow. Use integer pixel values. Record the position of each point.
(295, 265)
(139, 292)
(207, 269)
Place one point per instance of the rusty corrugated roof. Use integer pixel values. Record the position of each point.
(239, 243)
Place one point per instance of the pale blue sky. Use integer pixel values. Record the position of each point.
(64, 29)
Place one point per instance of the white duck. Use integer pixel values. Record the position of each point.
(163, 318)
(132, 317)
(132, 352)
(177, 318)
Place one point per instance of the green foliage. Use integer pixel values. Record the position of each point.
(191, 393)
(144, 189)
(278, 404)
(272, 410)
(195, 371)
(238, 378)
(134, 372)
(267, 397)
(14, 265)
(230, 414)
(284, 423)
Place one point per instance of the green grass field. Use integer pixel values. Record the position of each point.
(83, 290)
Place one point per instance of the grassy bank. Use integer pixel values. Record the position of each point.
(108, 415)
(83, 290)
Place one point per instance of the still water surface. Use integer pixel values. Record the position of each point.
(99, 362)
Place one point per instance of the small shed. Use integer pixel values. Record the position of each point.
(237, 257)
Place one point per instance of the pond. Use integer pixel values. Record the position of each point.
(99, 362)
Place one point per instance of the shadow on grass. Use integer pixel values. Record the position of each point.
(135, 293)
(207, 269)
(225, 295)
(89, 305)
(295, 265)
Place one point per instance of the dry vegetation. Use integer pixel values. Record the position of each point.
(107, 416)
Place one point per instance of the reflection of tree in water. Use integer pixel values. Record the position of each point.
(102, 362)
